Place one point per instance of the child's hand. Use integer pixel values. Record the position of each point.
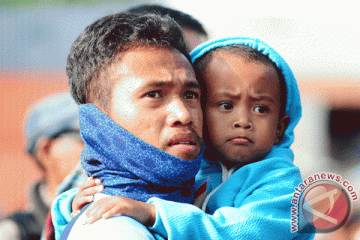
(144, 213)
(85, 195)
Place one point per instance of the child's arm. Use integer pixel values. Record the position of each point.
(260, 218)
(258, 207)
(254, 203)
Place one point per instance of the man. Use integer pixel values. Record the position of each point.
(140, 112)
(193, 31)
(194, 34)
(53, 141)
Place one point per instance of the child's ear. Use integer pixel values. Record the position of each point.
(281, 127)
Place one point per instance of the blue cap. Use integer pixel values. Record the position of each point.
(50, 116)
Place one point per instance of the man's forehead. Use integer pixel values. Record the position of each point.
(123, 69)
(149, 59)
(149, 67)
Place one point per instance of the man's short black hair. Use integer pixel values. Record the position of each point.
(183, 19)
(250, 54)
(102, 42)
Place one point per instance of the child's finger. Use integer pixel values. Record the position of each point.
(99, 208)
(110, 213)
(79, 202)
(95, 213)
(92, 190)
(86, 200)
(90, 182)
(74, 214)
(85, 196)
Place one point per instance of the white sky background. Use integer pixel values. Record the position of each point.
(316, 38)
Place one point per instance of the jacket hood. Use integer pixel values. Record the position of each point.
(293, 104)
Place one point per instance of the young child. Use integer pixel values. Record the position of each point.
(251, 106)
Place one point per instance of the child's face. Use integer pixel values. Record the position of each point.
(242, 109)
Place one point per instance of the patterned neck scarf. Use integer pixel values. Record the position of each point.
(130, 167)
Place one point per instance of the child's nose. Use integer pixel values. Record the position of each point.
(242, 121)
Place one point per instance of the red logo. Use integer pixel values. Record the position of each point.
(325, 206)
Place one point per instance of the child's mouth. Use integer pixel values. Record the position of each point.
(240, 140)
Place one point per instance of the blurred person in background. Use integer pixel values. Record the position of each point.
(53, 141)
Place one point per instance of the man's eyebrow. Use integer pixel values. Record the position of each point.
(191, 84)
(158, 83)
(188, 84)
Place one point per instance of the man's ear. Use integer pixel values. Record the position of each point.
(281, 127)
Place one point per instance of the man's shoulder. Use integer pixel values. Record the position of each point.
(117, 227)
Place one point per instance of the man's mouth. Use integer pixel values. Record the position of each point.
(184, 140)
(185, 145)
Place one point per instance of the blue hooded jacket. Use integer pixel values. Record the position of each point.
(252, 202)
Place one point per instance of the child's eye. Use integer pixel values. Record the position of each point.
(261, 109)
(226, 105)
(154, 94)
(191, 95)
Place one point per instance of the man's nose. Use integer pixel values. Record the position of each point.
(179, 113)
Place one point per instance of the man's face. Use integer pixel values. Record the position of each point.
(156, 97)
(242, 111)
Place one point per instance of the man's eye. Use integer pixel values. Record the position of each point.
(191, 95)
(261, 109)
(155, 94)
(226, 106)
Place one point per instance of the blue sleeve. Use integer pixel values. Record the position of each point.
(61, 210)
(254, 203)
(185, 221)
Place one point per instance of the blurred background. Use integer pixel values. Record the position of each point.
(319, 40)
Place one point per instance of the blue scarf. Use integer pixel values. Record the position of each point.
(130, 167)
